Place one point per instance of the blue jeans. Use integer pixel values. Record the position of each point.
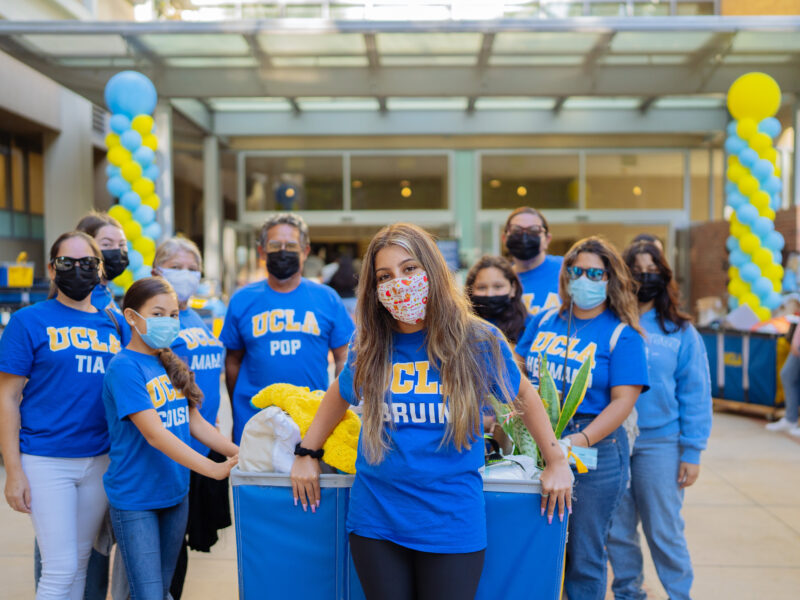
(790, 378)
(150, 541)
(597, 495)
(656, 499)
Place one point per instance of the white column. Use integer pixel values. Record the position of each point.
(212, 210)
(164, 185)
(68, 168)
(796, 154)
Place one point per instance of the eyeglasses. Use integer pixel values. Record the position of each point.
(593, 274)
(276, 246)
(533, 230)
(67, 263)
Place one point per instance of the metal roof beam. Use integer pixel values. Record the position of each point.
(382, 106)
(295, 106)
(600, 49)
(197, 111)
(372, 51)
(559, 104)
(486, 50)
(647, 103)
(255, 48)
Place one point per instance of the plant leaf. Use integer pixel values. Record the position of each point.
(548, 392)
(577, 391)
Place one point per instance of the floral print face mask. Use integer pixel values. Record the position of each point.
(405, 297)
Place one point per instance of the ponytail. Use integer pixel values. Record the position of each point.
(181, 376)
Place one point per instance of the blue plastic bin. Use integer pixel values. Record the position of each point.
(277, 544)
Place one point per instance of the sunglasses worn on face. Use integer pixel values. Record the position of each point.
(593, 274)
(533, 230)
(67, 263)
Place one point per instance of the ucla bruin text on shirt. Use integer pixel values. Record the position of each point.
(196, 337)
(552, 301)
(83, 338)
(283, 320)
(161, 391)
(554, 346)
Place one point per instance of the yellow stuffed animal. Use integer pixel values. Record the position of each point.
(301, 404)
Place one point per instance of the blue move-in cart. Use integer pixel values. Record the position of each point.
(284, 552)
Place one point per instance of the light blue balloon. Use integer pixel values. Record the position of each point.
(117, 186)
(772, 185)
(734, 144)
(732, 243)
(115, 289)
(736, 200)
(152, 172)
(131, 140)
(111, 170)
(730, 188)
(762, 227)
(144, 215)
(738, 258)
(119, 123)
(775, 241)
(777, 256)
(749, 272)
(773, 301)
(135, 260)
(762, 169)
(152, 231)
(144, 156)
(771, 126)
(142, 272)
(775, 201)
(733, 303)
(731, 128)
(130, 200)
(762, 287)
(130, 246)
(130, 93)
(747, 214)
(748, 157)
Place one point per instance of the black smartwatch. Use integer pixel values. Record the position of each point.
(300, 451)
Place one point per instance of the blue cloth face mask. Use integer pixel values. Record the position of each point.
(587, 294)
(161, 331)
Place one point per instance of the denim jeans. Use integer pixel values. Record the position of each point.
(597, 495)
(656, 499)
(790, 378)
(150, 541)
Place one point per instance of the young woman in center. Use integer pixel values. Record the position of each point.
(421, 364)
(496, 295)
(598, 321)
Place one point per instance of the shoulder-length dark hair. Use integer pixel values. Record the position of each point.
(512, 321)
(179, 374)
(667, 303)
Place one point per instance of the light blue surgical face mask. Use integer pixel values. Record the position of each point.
(161, 331)
(587, 294)
(183, 281)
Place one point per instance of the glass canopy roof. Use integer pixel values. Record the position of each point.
(313, 65)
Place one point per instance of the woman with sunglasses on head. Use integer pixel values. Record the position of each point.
(674, 425)
(178, 260)
(110, 237)
(53, 432)
(416, 519)
(151, 405)
(526, 237)
(598, 321)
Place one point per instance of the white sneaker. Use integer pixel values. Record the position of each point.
(795, 432)
(781, 425)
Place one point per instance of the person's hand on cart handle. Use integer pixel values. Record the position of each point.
(556, 482)
(305, 482)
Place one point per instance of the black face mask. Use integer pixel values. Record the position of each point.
(77, 283)
(283, 264)
(650, 286)
(523, 246)
(114, 262)
(490, 307)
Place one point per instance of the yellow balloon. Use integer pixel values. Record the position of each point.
(733, 159)
(749, 243)
(760, 142)
(144, 187)
(737, 288)
(746, 128)
(773, 272)
(118, 156)
(760, 200)
(736, 173)
(770, 214)
(763, 313)
(762, 258)
(751, 300)
(125, 279)
(143, 124)
(771, 155)
(146, 246)
(149, 258)
(733, 273)
(778, 171)
(151, 141)
(131, 171)
(133, 230)
(738, 230)
(754, 96)
(777, 285)
(748, 185)
(153, 201)
(112, 139)
(120, 213)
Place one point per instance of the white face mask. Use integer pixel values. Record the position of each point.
(183, 281)
(406, 298)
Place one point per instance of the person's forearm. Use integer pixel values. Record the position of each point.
(168, 443)
(331, 410)
(538, 423)
(231, 375)
(609, 420)
(208, 435)
(9, 432)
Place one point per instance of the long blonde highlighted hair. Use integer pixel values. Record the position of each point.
(621, 291)
(455, 339)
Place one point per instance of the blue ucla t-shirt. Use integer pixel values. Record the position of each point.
(286, 338)
(423, 495)
(139, 476)
(64, 353)
(540, 285)
(103, 299)
(202, 352)
(590, 339)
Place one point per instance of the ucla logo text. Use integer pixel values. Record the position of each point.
(83, 338)
(161, 392)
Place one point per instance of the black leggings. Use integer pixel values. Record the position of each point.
(391, 572)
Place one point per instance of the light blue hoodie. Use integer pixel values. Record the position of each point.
(679, 399)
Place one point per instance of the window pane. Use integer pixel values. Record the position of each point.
(540, 180)
(36, 183)
(5, 223)
(634, 181)
(293, 183)
(17, 179)
(398, 182)
(21, 225)
(3, 181)
(700, 174)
